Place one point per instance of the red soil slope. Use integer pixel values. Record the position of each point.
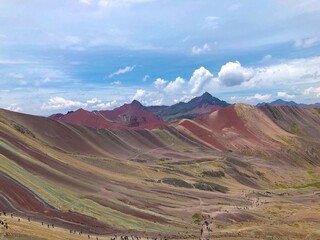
(236, 127)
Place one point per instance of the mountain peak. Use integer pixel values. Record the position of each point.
(206, 95)
(207, 99)
(136, 103)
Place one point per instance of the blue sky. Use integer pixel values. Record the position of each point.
(57, 56)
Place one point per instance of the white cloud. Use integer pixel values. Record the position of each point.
(105, 105)
(233, 97)
(285, 95)
(13, 107)
(93, 101)
(145, 78)
(139, 94)
(259, 97)
(295, 71)
(175, 85)
(57, 103)
(266, 58)
(159, 83)
(46, 80)
(199, 79)
(199, 50)
(184, 98)
(307, 42)
(122, 71)
(315, 91)
(156, 102)
(116, 83)
(232, 73)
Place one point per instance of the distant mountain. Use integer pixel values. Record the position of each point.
(197, 106)
(135, 115)
(280, 102)
(132, 115)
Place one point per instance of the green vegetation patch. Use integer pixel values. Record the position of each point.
(237, 162)
(295, 129)
(176, 182)
(211, 187)
(316, 185)
(23, 130)
(196, 217)
(211, 173)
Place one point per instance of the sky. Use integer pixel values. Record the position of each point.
(57, 56)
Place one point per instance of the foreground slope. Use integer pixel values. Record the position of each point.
(160, 181)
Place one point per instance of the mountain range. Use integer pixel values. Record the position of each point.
(135, 115)
(244, 169)
(280, 102)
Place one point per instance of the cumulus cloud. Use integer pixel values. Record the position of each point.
(175, 85)
(307, 42)
(184, 98)
(13, 107)
(199, 79)
(199, 50)
(105, 105)
(93, 101)
(159, 83)
(232, 73)
(285, 95)
(59, 103)
(295, 71)
(140, 93)
(313, 91)
(122, 71)
(259, 97)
